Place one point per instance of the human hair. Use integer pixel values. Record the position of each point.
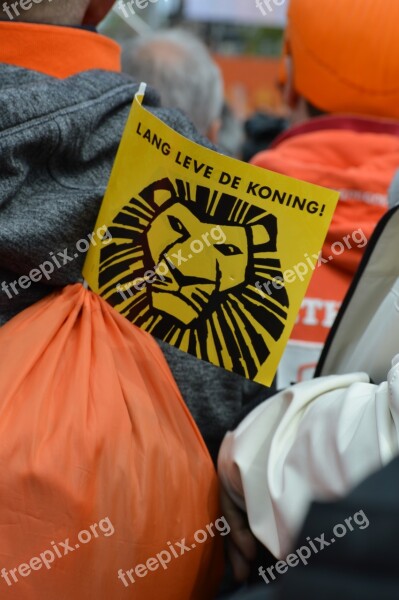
(314, 111)
(178, 65)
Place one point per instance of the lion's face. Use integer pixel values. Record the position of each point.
(219, 247)
(196, 260)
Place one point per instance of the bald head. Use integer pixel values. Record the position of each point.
(54, 12)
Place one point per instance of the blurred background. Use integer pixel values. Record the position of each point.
(245, 43)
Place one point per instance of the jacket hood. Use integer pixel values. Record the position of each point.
(58, 141)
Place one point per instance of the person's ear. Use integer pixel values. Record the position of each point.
(213, 131)
(96, 11)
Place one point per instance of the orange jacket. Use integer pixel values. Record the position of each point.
(358, 157)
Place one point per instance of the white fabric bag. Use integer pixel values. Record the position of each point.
(316, 439)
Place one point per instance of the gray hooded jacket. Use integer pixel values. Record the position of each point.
(58, 140)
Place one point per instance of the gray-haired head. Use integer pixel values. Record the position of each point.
(178, 65)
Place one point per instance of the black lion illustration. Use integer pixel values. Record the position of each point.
(183, 264)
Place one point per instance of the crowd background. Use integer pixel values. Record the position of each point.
(245, 44)
(85, 432)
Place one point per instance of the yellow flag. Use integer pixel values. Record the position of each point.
(203, 251)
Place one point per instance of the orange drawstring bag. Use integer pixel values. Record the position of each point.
(107, 489)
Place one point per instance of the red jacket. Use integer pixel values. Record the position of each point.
(358, 157)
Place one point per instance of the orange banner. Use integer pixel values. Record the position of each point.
(251, 84)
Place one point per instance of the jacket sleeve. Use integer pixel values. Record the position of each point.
(314, 440)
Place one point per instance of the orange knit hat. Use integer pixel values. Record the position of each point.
(346, 55)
